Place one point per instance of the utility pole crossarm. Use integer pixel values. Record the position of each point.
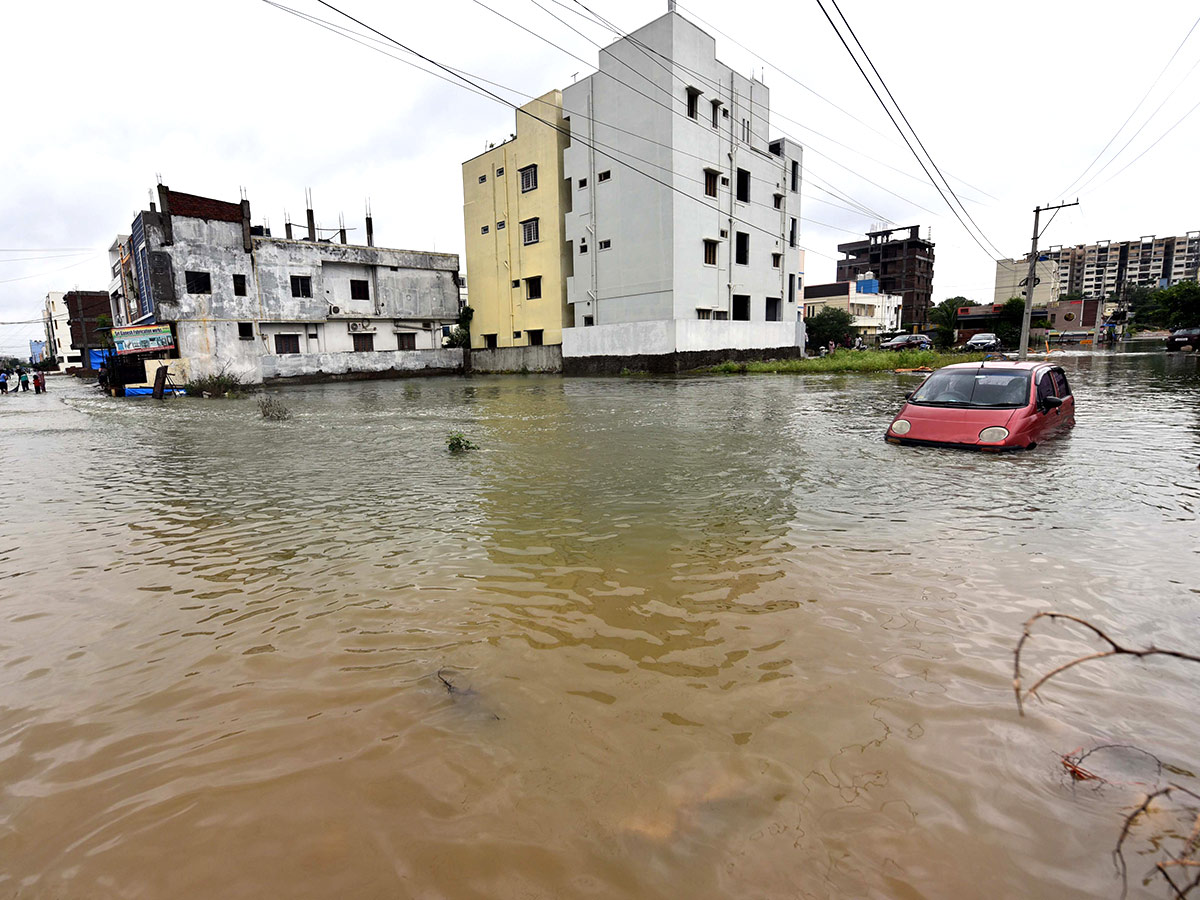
(1032, 278)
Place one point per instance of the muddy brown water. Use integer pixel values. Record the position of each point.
(708, 637)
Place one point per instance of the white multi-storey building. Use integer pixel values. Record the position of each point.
(683, 223)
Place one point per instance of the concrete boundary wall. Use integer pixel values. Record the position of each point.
(633, 339)
(671, 363)
(315, 367)
(547, 358)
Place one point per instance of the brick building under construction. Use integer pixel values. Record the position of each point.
(903, 264)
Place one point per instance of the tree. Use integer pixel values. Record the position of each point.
(944, 319)
(830, 324)
(1008, 328)
(1180, 304)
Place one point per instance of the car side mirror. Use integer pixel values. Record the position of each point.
(1052, 402)
(909, 395)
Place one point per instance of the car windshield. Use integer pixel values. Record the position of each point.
(984, 337)
(974, 388)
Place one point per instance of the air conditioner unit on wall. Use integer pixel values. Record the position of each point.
(334, 310)
(361, 326)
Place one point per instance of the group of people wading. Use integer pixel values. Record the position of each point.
(20, 379)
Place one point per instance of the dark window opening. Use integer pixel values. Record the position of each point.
(743, 186)
(710, 253)
(605, 244)
(500, 225)
(528, 179)
(776, 259)
(359, 289)
(779, 201)
(693, 103)
(535, 337)
(482, 179)
(604, 176)
(484, 229)
(792, 234)
(246, 331)
(741, 307)
(197, 282)
(582, 182)
(301, 286)
(489, 341)
(589, 321)
(500, 171)
(791, 287)
(239, 285)
(529, 231)
(716, 108)
(721, 315)
(363, 343)
(774, 309)
(795, 175)
(533, 288)
(406, 341)
(742, 256)
(516, 282)
(710, 182)
(287, 343)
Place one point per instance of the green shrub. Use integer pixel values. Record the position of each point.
(457, 442)
(274, 409)
(218, 385)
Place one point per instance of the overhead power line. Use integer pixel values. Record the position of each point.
(577, 138)
(1129, 117)
(995, 252)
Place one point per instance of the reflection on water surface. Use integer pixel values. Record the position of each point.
(709, 637)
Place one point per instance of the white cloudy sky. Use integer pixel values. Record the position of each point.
(1013, 99)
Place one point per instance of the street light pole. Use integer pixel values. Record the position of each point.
(1031, 280)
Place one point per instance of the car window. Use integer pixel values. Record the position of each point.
(975, 388)
(1045, 386)
(1060, 383)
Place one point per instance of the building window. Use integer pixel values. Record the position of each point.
(710, 182)
(197, 282)
(776, 259)
(359, 289)
(742, 254)
(604, 176)
(792, 233)
(583, 245)
(406, 341)
(533, 288)
(500, 171)
(239, 285)
(363, 343)
(287, 343)
(301, 285)
(741, 307)
(795, 175)
(489, 341)
(535, 337)
(484, 229)
(589, 321)
(582, 183)
(246, 331)
(779, 201)
(312, 335)
(516, 282)
(693, 103)
(482, 179)
(710, 253)
(528, 179)
(704, 314)
(791, 287)
(746, 130)
(716, 112)
(605, 244)
(529, 231)
(743, 186)
(500, 225)
(721, 315)
(516, 335)
(774, 309)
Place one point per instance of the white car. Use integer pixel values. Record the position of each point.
(983, 342)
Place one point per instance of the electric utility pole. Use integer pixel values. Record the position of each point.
(1032, 279)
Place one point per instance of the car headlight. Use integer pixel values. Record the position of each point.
(901, 426)
(993, 434)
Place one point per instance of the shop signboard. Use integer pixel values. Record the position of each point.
(143, 339)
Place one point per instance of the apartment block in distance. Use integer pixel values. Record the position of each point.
(683, 220)
(1012, 275)
(517, 263)
(1102, 269)
(902, 261)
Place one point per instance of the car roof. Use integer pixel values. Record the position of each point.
(1029, 365)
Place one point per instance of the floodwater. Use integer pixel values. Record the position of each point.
(657, 638)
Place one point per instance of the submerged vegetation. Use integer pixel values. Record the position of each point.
(457, 442)
(847, 361)
(223, 383)
(274, 409)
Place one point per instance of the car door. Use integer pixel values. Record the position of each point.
(1047, 418)
(1062, 389)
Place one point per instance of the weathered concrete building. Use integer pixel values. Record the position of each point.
(683, 219)
(268, 308)
(902, 261)
(72, 321)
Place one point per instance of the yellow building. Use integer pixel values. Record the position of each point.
(514, 198)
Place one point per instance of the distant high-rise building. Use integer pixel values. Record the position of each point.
(902, 261)
(1100, 270)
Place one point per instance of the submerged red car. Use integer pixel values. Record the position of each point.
(986, 406)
